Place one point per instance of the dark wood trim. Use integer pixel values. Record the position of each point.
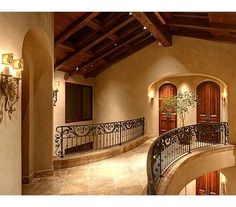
(79, 119)
(93, 60)
(105, 35)
(74, 27)
(147, 19)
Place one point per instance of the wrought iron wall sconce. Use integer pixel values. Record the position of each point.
(10, 76)
(55, 92)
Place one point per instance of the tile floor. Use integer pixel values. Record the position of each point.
(120, 175)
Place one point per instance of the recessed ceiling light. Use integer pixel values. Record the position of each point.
(115, 44)
(144, 27)
(151, 34)
(77, 68)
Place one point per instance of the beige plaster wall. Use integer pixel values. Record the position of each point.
(121, 90)
(229, 181)
(14, 27)
(189, 189)
(183, 83)
(59, 109)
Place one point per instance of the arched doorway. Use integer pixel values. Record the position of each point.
(208, 109)
(167, 121)
(37, 104)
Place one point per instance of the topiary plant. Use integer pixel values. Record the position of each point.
(180, 104)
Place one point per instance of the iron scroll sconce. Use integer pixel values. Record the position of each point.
(55, 92)
(10, 76)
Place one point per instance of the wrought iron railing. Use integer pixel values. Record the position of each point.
(80, 138)
(175, 143)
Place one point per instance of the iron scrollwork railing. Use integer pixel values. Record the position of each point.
(80, 138)
(173, 144)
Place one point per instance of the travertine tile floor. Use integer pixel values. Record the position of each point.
(120, 175)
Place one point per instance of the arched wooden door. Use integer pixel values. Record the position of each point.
(208, 109)
(167, 121)
(208, 184)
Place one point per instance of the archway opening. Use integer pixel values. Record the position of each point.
(37, 104)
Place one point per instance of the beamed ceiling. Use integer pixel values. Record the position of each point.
(88, 42)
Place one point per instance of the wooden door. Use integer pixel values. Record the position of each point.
(167, 121)
(208, 109)
(208, 184)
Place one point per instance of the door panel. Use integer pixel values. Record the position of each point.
(167, 121)
(208, 109)
(208, 184)
(201, 185)
(213, 183)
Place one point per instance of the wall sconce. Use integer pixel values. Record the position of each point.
(151, 95)
(10, 73)
(223, 98)
(55, 91)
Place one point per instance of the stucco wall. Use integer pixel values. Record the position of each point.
(121, 90)
(14, 27)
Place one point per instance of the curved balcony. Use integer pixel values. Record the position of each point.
(174, 144)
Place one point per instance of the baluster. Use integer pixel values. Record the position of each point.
(189, 140)
(120, 134)
(61, 136)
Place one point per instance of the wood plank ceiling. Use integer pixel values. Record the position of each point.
(88, 42)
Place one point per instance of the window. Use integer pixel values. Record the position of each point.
(79, 102)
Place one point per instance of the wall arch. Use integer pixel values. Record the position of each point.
(196, 165)
(182, 82)
(37, 107)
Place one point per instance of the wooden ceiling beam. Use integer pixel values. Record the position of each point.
(203, 27)
(127, 53)
(74, 27)
(91, 62)
(67, 47)
(158, 31)
(162, 20)
(204, 36)
(190, 15)
(94, 25)
(96, 41)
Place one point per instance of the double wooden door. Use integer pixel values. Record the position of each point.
(208, 109)
(208, 184)
(167, 120)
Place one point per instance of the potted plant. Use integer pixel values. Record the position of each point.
(180, 104)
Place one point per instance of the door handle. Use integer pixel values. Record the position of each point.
(208, 116)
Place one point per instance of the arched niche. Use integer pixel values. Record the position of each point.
(37, 104)
(183, 82)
